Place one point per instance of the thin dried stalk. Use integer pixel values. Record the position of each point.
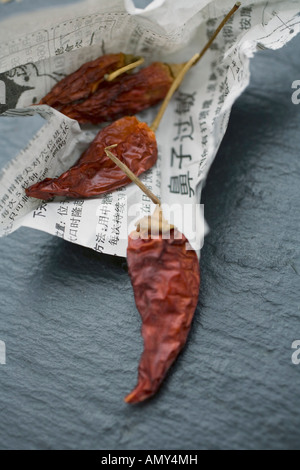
(112, 76)
(183, 70)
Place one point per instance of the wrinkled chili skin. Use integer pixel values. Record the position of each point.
(166, 282)
(95, 173)
(84, 81)
(128, 95)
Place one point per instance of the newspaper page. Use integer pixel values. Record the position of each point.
(39, 49)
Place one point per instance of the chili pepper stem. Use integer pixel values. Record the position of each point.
(155, 224)
(187, 66)
(131, 175)
(175, 85)
(218, 30)
(112, 76)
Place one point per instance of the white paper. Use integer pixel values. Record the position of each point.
(37, 50)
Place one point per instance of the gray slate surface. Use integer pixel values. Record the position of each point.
(72, 331)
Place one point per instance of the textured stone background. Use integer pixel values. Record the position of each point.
(71, 328)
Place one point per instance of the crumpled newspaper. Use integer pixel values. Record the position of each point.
(37, 50)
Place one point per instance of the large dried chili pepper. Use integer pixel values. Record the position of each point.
(126, 96)
(85, 81)
(165, 276)
(132, 94)
(95, 173)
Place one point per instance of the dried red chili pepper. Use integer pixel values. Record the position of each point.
(165, 276)
(132, 94)
(125, 96)
(85, 81)
(95, 173)
(78, 96)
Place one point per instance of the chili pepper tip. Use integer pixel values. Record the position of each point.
(129, 398)
(137, 396)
